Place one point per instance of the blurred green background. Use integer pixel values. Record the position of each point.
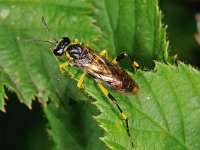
(29, 126)
(179, 16)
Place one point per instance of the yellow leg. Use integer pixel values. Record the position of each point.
(122, 56)
(114, 61)
(104, 52)
(135, 64)
(62, 66)
(76, 41)
(80, 82)
(105, 91)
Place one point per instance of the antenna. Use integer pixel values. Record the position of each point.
(48, 30)
(37, 41)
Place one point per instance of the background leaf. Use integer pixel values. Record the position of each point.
(164, 113)
(134, 26)
(73, 127)
(37, 76)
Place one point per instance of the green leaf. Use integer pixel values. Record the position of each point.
(2, 96)
(132, 26)
(29, 68)
(73, 127)
(164, 113)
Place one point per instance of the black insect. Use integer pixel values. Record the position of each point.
(96, 66)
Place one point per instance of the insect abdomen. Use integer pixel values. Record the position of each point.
(112, 75)
(129, 85)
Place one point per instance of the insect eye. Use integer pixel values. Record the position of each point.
(66, 40)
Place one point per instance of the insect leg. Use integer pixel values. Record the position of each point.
(104, 52)
(75, 41)
(123, 55)
(62, 66)
(105, 91)
(80, 82)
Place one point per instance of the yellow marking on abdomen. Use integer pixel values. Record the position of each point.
(135, 90)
